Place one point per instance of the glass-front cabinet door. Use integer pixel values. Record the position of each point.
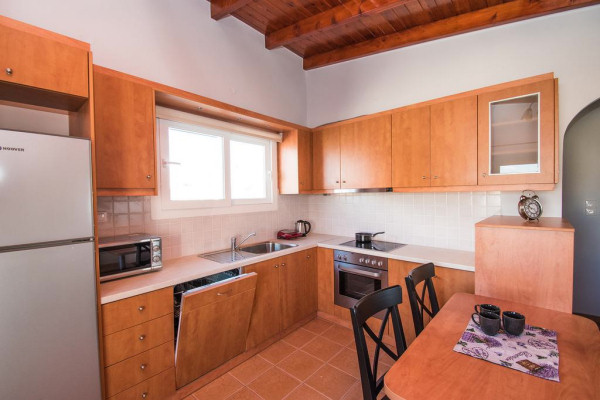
(516, 135)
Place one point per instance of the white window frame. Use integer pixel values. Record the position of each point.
(162, 207)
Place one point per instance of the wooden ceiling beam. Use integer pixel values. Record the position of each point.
(222, 8)
(496, 15)
(346, 13)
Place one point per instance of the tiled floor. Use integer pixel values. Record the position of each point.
(316, 362)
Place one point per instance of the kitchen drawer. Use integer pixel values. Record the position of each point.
(136, 369)
(159, 387)
(137, 339)
(136, 310)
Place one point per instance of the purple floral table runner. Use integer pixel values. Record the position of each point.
(534, 352)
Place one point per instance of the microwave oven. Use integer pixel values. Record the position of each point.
(128, 255)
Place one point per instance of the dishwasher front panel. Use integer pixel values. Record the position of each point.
(213, 326)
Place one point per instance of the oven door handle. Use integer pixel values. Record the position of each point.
(368, 274)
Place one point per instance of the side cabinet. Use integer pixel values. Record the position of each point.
(295, 162)
(138, 346)
(125, 135)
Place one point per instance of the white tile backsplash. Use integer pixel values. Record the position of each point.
(430, 219)
(186, 236)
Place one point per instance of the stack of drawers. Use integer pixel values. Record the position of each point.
(139, 353)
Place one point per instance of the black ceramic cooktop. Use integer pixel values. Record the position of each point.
(374, 245)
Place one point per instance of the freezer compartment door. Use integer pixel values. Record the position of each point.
(213, 326)
(48, 327)
(45, 188)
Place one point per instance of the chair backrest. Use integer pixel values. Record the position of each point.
(423, 273)
(373, 303)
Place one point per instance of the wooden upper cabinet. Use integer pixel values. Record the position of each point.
(41, 62)
(517, 135)
(366, 157)
(125, 135)
(454, 142)
(295, 162)
(411, 151)
(326, 158)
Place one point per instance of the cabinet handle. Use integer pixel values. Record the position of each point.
(9, 71)
(484, 174)
(141, 308)
(307, 256)
(223, 293)
(144, 395)
(435, 177)
(148, 176)
(143, 367)
(423, 177)
(337, 181)
(343, 181)
(276, 266)
(283, 264)
(142, 337)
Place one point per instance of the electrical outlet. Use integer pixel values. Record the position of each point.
(102, 216)
(591, 207)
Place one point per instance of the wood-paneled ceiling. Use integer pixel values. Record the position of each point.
(325, 32)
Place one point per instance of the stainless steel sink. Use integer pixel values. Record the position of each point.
(227, 256)
(266, 247)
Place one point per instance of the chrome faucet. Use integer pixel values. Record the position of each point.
(235, 246)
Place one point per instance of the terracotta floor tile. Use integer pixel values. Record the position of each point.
(347, 361)
(244, 394)
(300, 365)
(339, 334)
(274, 384)
(251, 369)
(219, 389)
(384, 358)
(331, 382)
(277, 351)
(299, 337)
(318, 325)
(322, 348)
(355, 392)
(304, 392)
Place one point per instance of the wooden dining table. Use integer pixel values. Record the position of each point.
(430, 369)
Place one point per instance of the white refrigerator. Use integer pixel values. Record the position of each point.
(48, 322)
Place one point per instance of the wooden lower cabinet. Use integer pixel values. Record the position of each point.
(298, 278)
(446, 282)
(159, 387)
(138, 346)
(286, 293)
(325, 285)
(129, 372)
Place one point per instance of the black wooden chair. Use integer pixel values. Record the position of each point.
(423, 273)
(384, 299)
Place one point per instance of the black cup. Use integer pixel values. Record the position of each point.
(487, 307)
(513, 323)
(489, 322)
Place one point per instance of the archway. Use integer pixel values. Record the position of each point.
(581, 205)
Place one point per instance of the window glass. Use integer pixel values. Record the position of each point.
(248, 170)
(195, 166)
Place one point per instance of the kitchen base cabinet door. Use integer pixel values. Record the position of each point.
(266, 311)
(159, 387)
(298, 287)
(213, 326)
(325, 280)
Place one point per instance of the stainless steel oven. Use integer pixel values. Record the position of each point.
(356, 275)
(128, 255)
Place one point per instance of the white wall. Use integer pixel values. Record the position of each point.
(567, 44)
(178, 44)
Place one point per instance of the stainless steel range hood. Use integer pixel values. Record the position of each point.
(368, 190)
